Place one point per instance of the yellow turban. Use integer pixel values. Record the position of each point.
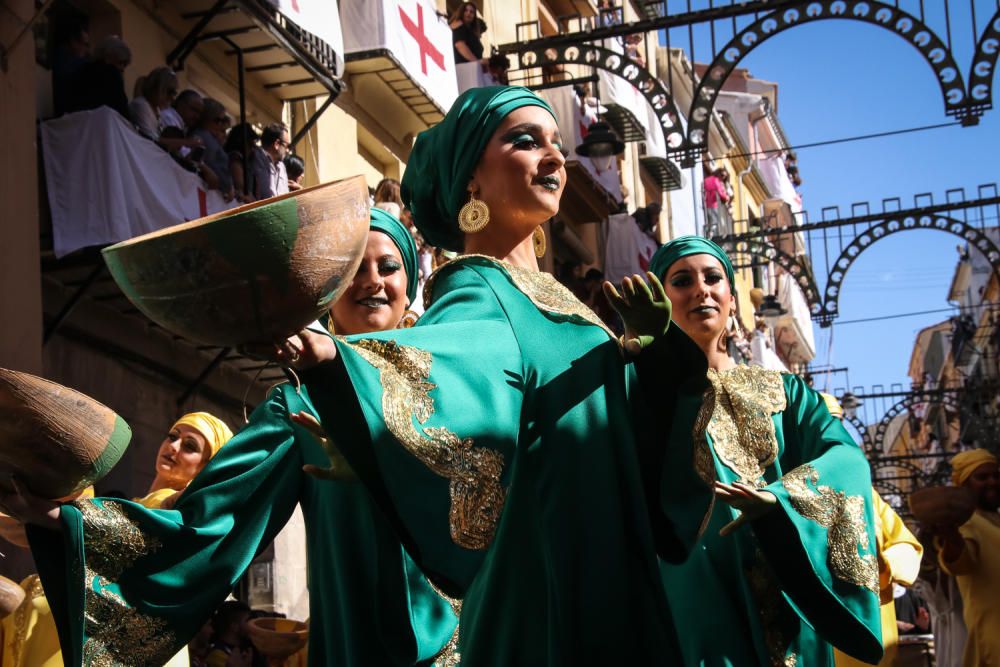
(833, 405)
(210, 426)
(964, 464)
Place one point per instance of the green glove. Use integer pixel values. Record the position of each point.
(645, 311)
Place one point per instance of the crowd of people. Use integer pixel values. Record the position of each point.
(242, 164)
(508, 481)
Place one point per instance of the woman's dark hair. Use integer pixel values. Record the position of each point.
(478, 25)
(294, 166)
(241, 138)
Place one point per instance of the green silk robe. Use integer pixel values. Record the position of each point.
(780, 590)
(130, 586)
(500, 436)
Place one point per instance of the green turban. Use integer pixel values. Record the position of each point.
(683, 246)
(443, 158)
(400, 235)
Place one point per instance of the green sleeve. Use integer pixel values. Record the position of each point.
(129, 585)
(432, 415)
(821, 543)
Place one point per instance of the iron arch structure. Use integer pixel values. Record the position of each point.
(964, 99)
(893, 19)
(905, 405)
(828, 308)
(983, 66)
(759, 249)
(591, 55)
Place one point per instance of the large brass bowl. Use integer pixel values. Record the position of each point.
(277, 638)
(57, 441)
(257, 273)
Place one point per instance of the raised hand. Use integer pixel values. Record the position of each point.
(644, 308)
(752, 503)
(340, 469)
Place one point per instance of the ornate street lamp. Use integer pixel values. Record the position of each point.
(601, 145)
(770, 310)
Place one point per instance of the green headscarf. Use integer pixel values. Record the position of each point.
(400, 235)
(682, 246)
(443, 158)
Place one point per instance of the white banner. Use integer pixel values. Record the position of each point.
(107, 184)
(413, 33)
(321, 18)
(627, 250)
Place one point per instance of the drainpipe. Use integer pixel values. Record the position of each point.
(765, 104)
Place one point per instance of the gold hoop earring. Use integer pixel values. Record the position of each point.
(538, 239)
(474, 216)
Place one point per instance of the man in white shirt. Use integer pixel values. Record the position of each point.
(269, 175)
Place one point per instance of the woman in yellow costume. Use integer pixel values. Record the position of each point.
(29, 634)
(899, 556)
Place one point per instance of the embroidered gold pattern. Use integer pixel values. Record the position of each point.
(775, 615)
(449, 656)
(844, 518)
(547, 293)
(22, 617)
(743, 400)
(117, 635)
(114, 542)
(474, 472)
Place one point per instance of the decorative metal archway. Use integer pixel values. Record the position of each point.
(769, 18)
(900, 407)
(964, 219)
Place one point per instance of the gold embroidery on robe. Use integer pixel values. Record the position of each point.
(541, 288)
(114, 542)
(844, 518)
(740, 402)
(474, 472)
(117, 635)
(449, 656)
(736, 412)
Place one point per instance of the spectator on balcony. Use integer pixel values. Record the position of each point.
(211, 129)
(466, 34)
(971, 553)
(184, 113)
(633, 44)
(269, 175)
(71, 48)
(608, 13)
(100, 82)
(241, 142)
(387, 196)
(715, 192)
(157, 90)
(296, 169)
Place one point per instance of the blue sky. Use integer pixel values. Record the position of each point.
(844, 78)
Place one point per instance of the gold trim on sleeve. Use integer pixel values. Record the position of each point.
(117, 635)
(844, 518)
(477, 497)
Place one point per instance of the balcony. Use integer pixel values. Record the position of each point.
(793, 331)
(963, 340)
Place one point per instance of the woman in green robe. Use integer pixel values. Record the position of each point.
(131, 585)
(502, 436)
(785, 565)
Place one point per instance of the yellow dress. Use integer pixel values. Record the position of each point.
(29, 634)
(977, 571)
(899, 554)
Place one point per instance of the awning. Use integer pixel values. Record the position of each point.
(293, 48)
(400, 61)
(667, 175)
